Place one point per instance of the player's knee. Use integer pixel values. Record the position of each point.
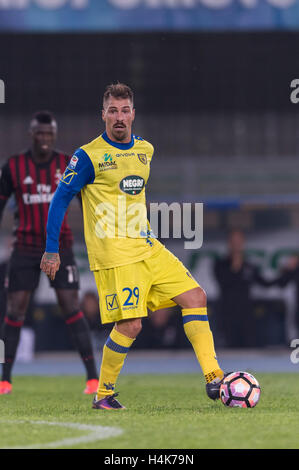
(130, 328)
(17, 308)
(68, 302)
(201, 297)
(136, 328)
(69, 308)
(197, 298)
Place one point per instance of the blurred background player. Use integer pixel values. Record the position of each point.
(132, 271)
(289, 273)
(235, 275)
(32, 176)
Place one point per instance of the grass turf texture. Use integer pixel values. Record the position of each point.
(163, 412)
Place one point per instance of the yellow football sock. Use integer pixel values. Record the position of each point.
(197, 329)
(114, 353)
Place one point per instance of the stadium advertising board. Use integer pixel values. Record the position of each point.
(147, 15)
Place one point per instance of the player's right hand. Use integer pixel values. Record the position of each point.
(50, 264)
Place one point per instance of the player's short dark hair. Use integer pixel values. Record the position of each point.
(118, 90)
(43, 117)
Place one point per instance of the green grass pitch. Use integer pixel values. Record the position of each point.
(162, 412)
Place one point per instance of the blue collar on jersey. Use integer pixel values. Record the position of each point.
(126, 146)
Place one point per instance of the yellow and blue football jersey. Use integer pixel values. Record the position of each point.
(112, 178)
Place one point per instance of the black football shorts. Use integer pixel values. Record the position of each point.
(23, 272)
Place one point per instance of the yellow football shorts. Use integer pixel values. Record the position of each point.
(127, 292)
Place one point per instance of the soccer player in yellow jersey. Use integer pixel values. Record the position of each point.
(132, 269)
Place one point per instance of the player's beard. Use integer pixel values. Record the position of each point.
(120, 134)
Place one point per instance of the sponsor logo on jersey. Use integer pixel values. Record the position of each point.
(28, 180)
(132, 184)
(143, 158)
(107, 157)
(107, 163)
(125, 154)
(73, 162)
(43, 195)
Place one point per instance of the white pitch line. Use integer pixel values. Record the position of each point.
(97, 432)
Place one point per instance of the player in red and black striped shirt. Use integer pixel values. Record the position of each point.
(32, 177)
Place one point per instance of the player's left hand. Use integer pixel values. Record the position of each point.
(50, 264)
